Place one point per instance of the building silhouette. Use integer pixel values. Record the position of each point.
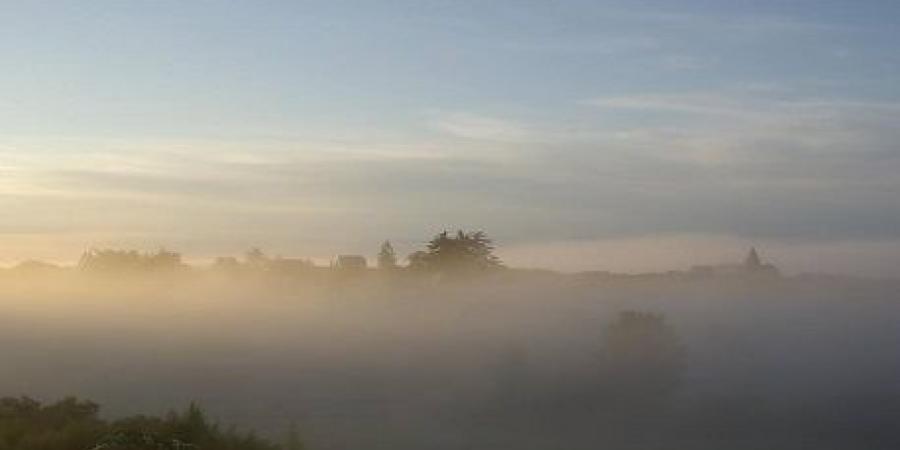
(752, 266)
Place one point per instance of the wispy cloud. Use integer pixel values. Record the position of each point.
(690, 103)
(682, 62)
(480, 127)
(828, 125)
(753, 102)
(762, 25)
(591, 44)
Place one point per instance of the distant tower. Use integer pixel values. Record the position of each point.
(752, 261)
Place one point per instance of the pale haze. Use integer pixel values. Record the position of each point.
(590, 135)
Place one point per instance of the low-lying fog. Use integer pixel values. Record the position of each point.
(521, 360)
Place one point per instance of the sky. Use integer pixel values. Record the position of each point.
(623, 136)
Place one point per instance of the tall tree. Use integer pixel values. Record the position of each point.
(387, 259)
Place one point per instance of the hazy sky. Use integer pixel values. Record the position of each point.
(610, 135)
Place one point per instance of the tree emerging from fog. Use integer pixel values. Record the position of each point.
(387, 258)
(643, 355)
(463, 252)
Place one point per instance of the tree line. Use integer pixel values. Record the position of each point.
(459, 253)
(73, 424)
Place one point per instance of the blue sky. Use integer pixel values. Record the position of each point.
(577, 129)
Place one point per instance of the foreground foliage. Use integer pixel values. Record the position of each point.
(72, 424)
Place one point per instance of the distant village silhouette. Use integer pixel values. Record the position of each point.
(448, 254)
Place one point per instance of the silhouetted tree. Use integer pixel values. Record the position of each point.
(387, 259)
(462, 252)
(256, 259)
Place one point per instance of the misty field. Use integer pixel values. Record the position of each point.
(519, 359)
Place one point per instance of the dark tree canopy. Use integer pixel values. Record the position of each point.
(460, 252)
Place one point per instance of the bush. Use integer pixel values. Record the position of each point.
(72, 424)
